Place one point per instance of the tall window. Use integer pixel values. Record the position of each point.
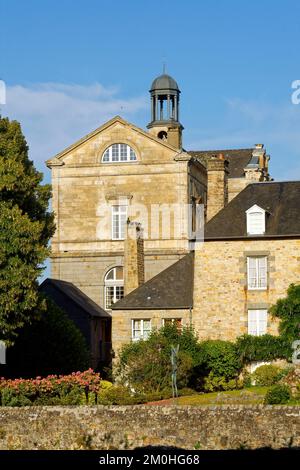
(141, 329)
(257, 268)
(119, 216)
(119, 153)
(257, 322)
(114, 286)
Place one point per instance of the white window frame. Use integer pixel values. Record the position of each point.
(258, 326)
(141, 336)
(114, 283)
(261, 273)
(256, 227)
(119, 153)
(119, 211)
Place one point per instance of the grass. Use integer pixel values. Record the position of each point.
(246, 396)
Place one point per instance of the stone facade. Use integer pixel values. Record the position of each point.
(85, 188)
(221, 296)
(134, 268)
(122, 322)
(130, 427)
(217, 185)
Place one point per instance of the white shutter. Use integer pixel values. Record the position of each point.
(262, 272)
(252, 322)
(262, 321)
(252, 272)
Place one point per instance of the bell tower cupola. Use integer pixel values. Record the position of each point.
(165, 110)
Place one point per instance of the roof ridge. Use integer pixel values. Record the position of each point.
(57, 282)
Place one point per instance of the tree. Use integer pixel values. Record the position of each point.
(26, 226)
(51, 344)
(288, 311)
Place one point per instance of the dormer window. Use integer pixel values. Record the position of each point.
(119, 153)
(256, 220)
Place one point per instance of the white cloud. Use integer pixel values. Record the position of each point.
(245, 123)
(54, 115)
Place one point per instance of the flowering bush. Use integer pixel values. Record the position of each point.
(74, 389)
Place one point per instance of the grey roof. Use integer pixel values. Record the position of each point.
(172, 288)
(75, 295)
(281, 201)
(238, 159)
(164, 82)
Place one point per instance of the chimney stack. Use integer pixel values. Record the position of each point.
(217, 185)
(134, 269)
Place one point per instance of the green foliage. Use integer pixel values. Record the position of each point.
(146, 365)
(267, 375)
(288, 311)
(213, 383)
(119, 395)
(277, 394)
(262, 348)
(105, 384)
(220, 358)
(25, 229)
(209, 365)
(52, 344)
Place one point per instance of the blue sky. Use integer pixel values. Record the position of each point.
(70, 65)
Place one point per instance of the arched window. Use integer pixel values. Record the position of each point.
(119, 153)
(113, 286)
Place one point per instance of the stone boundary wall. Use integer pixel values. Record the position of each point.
(128, 427)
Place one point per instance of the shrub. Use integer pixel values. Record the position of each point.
(213, 383)
(51, 344)
(262, 348)
(267, 375)
(220, 359)
(105, 384)
(74, 389)
(288, 310)
(146, 365)
(277, 394)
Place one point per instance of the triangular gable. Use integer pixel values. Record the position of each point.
(58, 158)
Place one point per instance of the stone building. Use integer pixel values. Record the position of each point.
(249, 257)
(120, 172)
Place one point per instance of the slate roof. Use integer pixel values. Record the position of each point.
(74, 295)
(172, 288)
(238, 159)
(281, 200)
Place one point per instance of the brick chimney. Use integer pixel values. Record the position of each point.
(134, 270)
(217, 185)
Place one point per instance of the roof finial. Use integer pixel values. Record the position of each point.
(164, 67)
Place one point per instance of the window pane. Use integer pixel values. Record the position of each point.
(119, 273)
(262, 321)
(132, 155)
(106, 156)
(110, 274)
(146, 328)
(252, 322)
(119, 153)
(109, 296)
